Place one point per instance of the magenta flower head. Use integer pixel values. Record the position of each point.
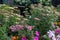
(29, 27)
(57, 31)
(36, 18)
(12, 28)
(23, 38)
(19, 27)
(35, 38)
(36, 33)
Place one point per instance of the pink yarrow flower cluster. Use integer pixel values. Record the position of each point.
(16, 27)
(36, 18)
(53, 25)
(19, 27)
(29, 27)
(12, 28)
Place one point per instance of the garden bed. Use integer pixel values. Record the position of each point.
(14, 26)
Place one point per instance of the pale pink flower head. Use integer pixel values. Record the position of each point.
(36, 33)
(12, 28)
(29, 27)
(35, 38)
(58, 37)
(36, 18)
(23, 38)
(50, 34)
(53, 25)
(19, 27)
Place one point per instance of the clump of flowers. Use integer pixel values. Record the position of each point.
(16, 27)
(12, 28)
(29, 27)
(19, 27)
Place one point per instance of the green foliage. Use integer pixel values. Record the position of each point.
(46, 2)
(1, 16)
(3, 34)
(21, 1)
(46, 17)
